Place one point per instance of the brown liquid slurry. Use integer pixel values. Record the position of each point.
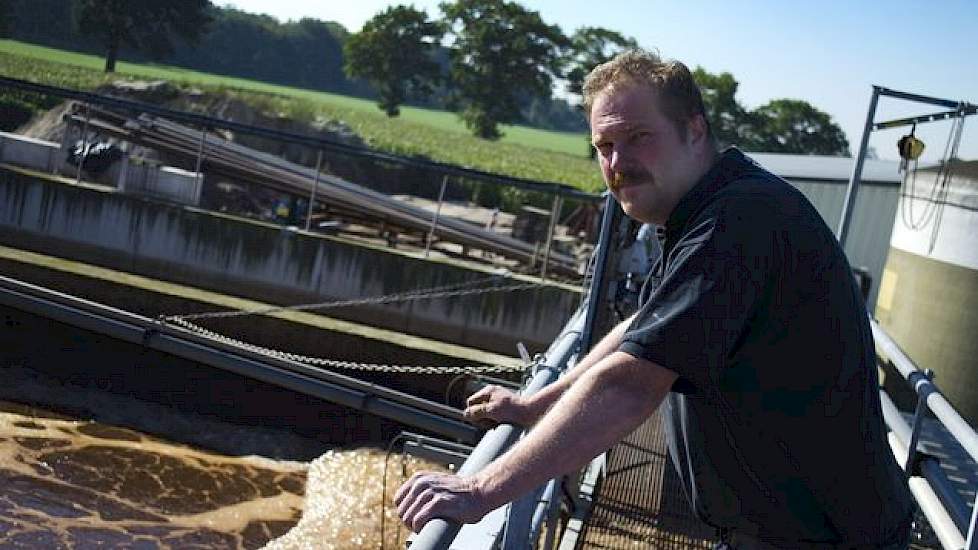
(67, 483)
(344, 494)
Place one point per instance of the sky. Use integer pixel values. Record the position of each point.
(827, 52)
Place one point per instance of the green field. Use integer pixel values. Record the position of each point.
(438, 135)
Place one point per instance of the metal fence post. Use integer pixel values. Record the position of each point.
(200, 154)
(315, 186)
(84, 150)
(434, 221)
(554, 213)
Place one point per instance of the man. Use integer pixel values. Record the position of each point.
(751, 330)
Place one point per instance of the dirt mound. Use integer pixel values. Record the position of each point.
(49, 125)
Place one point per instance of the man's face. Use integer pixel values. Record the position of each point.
(646, 163)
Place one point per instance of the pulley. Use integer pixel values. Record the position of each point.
(910, 148)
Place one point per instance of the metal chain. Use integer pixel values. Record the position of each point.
(435, 292)
(445, 291)
(347, 365)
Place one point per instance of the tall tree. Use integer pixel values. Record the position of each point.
(500, 53)
(590, 47)
(728, 118)
(795, 126)
(146, 25)
(394, 52)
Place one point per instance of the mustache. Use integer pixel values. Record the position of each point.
(624, 178)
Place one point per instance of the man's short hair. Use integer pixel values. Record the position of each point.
(680, 96)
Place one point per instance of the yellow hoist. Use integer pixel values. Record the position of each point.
(910, 148)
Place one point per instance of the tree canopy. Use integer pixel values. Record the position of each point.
(780, 126)
(590, 47)
(499, 53)
(501, 60)
(147, 25)
(795, 126)
(394, 53)
(727, 117)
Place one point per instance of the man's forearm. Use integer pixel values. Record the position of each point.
(541, 401)
(609, 401)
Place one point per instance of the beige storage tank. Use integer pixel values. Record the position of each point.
(928, 294)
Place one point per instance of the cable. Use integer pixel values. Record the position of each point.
(941, 180)
(451, 290)
(451, 386)
(383, 488)
(946, 184)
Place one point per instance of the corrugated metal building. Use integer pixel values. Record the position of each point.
(824, 181)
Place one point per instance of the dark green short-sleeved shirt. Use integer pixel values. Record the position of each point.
(775, 423)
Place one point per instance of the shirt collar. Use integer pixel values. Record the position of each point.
(727, 165)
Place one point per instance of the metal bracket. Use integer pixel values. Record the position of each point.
(447, 453)
(912, 466)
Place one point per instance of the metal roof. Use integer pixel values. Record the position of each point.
(820, 167)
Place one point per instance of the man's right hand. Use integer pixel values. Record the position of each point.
(494, 405)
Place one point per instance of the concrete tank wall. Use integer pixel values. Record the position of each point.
(102, 226)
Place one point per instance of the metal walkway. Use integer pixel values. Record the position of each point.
(641, 503)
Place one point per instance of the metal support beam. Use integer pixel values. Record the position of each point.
(553, 516)
(959, 109)
(545, 513)
(917, 97)
(434, 453)
(857, 170)
(516, 535)
(589, 486)
(597, 288)
(964, 111)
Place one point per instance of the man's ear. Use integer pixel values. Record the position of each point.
(696, 128)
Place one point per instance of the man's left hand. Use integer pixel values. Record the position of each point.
(430, 495)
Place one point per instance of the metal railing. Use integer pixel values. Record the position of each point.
(944, 508)
(514, 526)
(439, 533)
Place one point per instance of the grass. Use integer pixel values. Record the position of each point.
(439, 135)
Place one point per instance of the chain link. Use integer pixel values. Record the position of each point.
(347, 365)
(437, 292)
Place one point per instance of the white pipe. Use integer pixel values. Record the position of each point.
(929, 503)
(939, 405)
